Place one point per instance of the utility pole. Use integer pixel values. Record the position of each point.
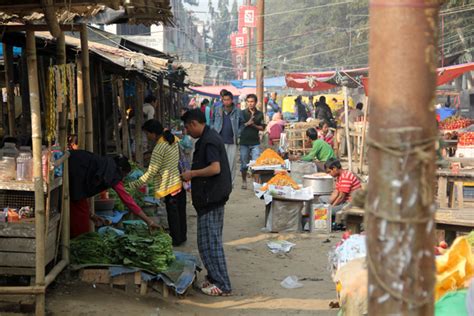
(400, 203)
(249, 38)
(260, 51)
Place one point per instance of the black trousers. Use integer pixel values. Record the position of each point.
(176, 211)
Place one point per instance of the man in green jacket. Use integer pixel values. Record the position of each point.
(320, 151)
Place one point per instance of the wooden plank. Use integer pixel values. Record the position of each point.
(442, 189)
(17, 259)
(17, 245)
(460, 193)
(96, 276)
(16, 271)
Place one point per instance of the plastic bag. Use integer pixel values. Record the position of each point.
(280, 246)
(453, 303)
(291, 282)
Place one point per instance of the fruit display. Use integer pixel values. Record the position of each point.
(466, 139)
(281, 179)
(269, 157)
(455, 122)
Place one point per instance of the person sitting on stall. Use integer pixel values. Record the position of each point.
(90, 174)
(325, 133)
(346, 184)
(320, 151)
(164, 172)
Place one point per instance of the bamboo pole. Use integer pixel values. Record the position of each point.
(346, 122)
(87, 88)
(25, 97)
(115, 109)
(364, 131)
(103, 116)
(139, 121)
(9, 81)
(37, 168)
(81, 112)
(123, 113)
(400, 206)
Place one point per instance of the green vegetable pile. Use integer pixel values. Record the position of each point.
(92, 248)
(139, 248)
(136, 248)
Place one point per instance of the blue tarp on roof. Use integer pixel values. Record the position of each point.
(16, 51)
(272, 82)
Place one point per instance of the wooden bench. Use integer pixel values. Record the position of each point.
(451, 221)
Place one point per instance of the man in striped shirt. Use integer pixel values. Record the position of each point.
(346, 184)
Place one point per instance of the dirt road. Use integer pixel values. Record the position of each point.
(255, 273)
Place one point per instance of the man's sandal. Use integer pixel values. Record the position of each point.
(213, 290)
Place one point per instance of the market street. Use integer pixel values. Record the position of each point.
(255, 275)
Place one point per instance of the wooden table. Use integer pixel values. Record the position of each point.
(448, 220)
(446, 176)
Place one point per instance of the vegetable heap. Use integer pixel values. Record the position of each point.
(455, 122)
(466, 139)
(269, 157)
(136, 248)
(281, 179)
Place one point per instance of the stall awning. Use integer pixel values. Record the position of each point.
(214, 91)
(354, 78)
(271, 82)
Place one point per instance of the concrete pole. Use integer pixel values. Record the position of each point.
(400, 203)
(260, 52)
(36, 136)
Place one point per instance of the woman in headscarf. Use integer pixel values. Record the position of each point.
(90, 174)
(164, 172)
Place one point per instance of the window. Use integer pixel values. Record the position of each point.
(128, 29)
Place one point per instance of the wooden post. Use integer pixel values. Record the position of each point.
(139, 121)
(400, 207)
(260, 52)
(9, 81)
(364, 131)
(123, 113)
(103, 117)
(115, 109)
(61, 60)
(37, 168)
(25, 97)
(86, 85)
(81, 112)
(347, 130)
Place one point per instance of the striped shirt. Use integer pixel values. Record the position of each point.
(347, 183)
(163, 169)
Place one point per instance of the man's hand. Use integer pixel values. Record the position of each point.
(152, 225)
(187, 175)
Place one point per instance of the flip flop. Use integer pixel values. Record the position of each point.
(213, 290)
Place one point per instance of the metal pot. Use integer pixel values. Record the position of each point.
(321, 184)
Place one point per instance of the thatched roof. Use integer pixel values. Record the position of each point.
(67, 11)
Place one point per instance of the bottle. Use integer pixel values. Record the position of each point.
(10, 150)
(24, 167)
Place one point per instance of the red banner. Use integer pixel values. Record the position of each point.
(247, 16)
(238, 41)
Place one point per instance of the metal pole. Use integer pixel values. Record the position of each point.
(400, 206)
(347, 130)
(260, 51)
(37, 168)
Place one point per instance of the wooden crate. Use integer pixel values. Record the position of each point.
(18, 246)
(130, 280)
(296, 136)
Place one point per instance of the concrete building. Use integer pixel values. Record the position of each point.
(185, 39)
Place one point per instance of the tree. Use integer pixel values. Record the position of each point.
(234, 14)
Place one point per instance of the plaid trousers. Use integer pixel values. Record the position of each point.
(211, 250)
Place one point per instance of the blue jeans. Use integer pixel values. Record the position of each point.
(247, 153)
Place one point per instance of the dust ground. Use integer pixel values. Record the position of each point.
(255, 275)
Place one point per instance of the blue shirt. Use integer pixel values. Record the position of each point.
(226, 133)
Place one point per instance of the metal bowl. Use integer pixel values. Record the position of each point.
(104, 204)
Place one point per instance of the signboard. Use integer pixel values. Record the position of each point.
(247, 16)
(238, 41)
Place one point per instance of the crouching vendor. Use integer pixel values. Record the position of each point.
(346, 184)
(90, 174)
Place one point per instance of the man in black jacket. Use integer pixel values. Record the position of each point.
(211, 185)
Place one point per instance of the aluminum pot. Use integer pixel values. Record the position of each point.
(320, 183)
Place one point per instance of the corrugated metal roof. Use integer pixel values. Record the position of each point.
(133, 11)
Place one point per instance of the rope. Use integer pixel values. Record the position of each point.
(421, 150)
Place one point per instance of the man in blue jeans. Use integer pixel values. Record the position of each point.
(252, 123)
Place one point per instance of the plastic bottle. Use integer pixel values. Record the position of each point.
(10, 150)
(24, 166)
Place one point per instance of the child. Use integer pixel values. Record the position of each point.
(346, 184)
(325, 133)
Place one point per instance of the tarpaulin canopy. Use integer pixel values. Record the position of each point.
(271, 82)
(214, 91)
(354, 78)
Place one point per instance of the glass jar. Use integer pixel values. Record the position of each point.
(24, 167)
(10, 150)
(7, 169)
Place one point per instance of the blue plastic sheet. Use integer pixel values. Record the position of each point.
(116, 218)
